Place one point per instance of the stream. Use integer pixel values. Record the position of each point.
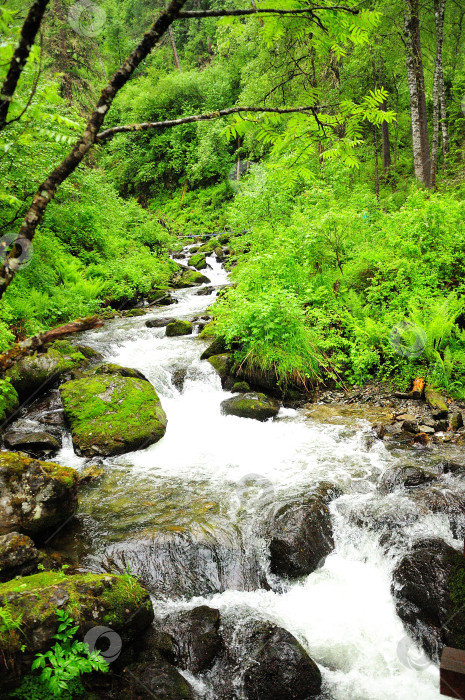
(187, 515)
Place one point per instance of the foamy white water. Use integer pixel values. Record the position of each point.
(343, 613)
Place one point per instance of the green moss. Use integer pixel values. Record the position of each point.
(126, 591)
(240, 388)
(221, 363)
(178, 327)
(190, 278)
(198, 261)
(112, 414)
(9, 400)
(16, 464)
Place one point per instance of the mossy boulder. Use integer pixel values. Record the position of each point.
(111, 413)
(35, 496)
(179, 327)
(218, 347)
(198, 261)
(240, 388)
(9, 400)
(209, 246)
(189, 278)
(92, 600)
(250, 405)
(35, 373)
(18, 556)
(221, 364)
(429, 589)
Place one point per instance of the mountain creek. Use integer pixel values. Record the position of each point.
(190, 517)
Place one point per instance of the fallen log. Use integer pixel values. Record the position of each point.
(418, 388)
(436, 403)
(37, 342)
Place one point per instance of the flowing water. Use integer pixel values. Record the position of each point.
(187, 515)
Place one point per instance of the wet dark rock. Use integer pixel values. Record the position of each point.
(410, 426)
(35, 496)
(179, 377)
(178, 327)
(278, 667)
(218, 347)
(111, 368)
(154, 679)
(158, 322)
(429, 589)
(196, 636)
(301, 537)
(251, 405)
(456, 420)
(441, 426)
(407, 476)
(180, 565)
(18, 556)
(449, 501)
(205, 291)
(37, 444)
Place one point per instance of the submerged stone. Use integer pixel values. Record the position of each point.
(34, 443)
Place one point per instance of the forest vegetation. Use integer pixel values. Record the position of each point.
(346, 223)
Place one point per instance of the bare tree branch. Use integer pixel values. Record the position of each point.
(195, 14)
(145, 126)
(28, 34)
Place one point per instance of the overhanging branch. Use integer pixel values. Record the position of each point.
(196, 14)
(145, 126)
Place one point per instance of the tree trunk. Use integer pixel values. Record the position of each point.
(375, 144)
(439, 102)
(416, 86)
(386, 144)
(175, 51)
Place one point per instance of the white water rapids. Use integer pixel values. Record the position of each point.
(343, 613)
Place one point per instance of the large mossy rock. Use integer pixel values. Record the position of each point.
(155, 679)
(279, 668)
(35, 496)
(111, 414)
(179, 327)
(198, 261)
(92, 600)
(18, 556)
(185, 277)
(429, 588)
(35, 373)
(218, 347)
(221, 364)
(301, 537)
(251, 405)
